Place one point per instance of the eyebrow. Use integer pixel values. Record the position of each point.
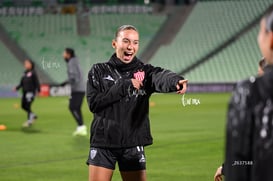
(130, 40)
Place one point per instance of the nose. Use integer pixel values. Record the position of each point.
(129, 46)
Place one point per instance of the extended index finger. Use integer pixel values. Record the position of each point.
(183, 81)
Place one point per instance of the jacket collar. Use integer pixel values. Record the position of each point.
(266, 81)
(123, 67)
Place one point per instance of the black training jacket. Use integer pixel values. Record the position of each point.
(249, 139)
(29, 82)
(120, 111)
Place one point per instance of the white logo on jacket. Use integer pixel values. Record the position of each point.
(109, 78)
(136, 92)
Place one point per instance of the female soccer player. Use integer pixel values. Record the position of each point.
(30, 86)
(118, 93)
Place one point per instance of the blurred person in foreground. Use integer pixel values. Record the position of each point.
(220, 170)
(76, 81)
(118, 93)
(249, 138)
(30, 86)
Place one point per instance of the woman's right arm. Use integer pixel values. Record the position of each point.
(99, 99)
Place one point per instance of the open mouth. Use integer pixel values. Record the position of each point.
(128, 55)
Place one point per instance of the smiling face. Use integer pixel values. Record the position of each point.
(126, 45)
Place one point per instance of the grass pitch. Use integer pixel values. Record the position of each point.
(188, 140)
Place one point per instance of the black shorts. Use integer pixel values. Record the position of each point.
(128, 159)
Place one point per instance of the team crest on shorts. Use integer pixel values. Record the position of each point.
(93, 153)
(142, 159)
(139, 75)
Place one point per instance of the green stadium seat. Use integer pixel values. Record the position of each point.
(208, 26)
(11, 69)
(236, 62)
(45, 37)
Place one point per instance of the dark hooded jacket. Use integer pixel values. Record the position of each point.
(121, 111)
(249, 139)
(29, 82)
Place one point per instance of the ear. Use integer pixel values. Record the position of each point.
(114, 43)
